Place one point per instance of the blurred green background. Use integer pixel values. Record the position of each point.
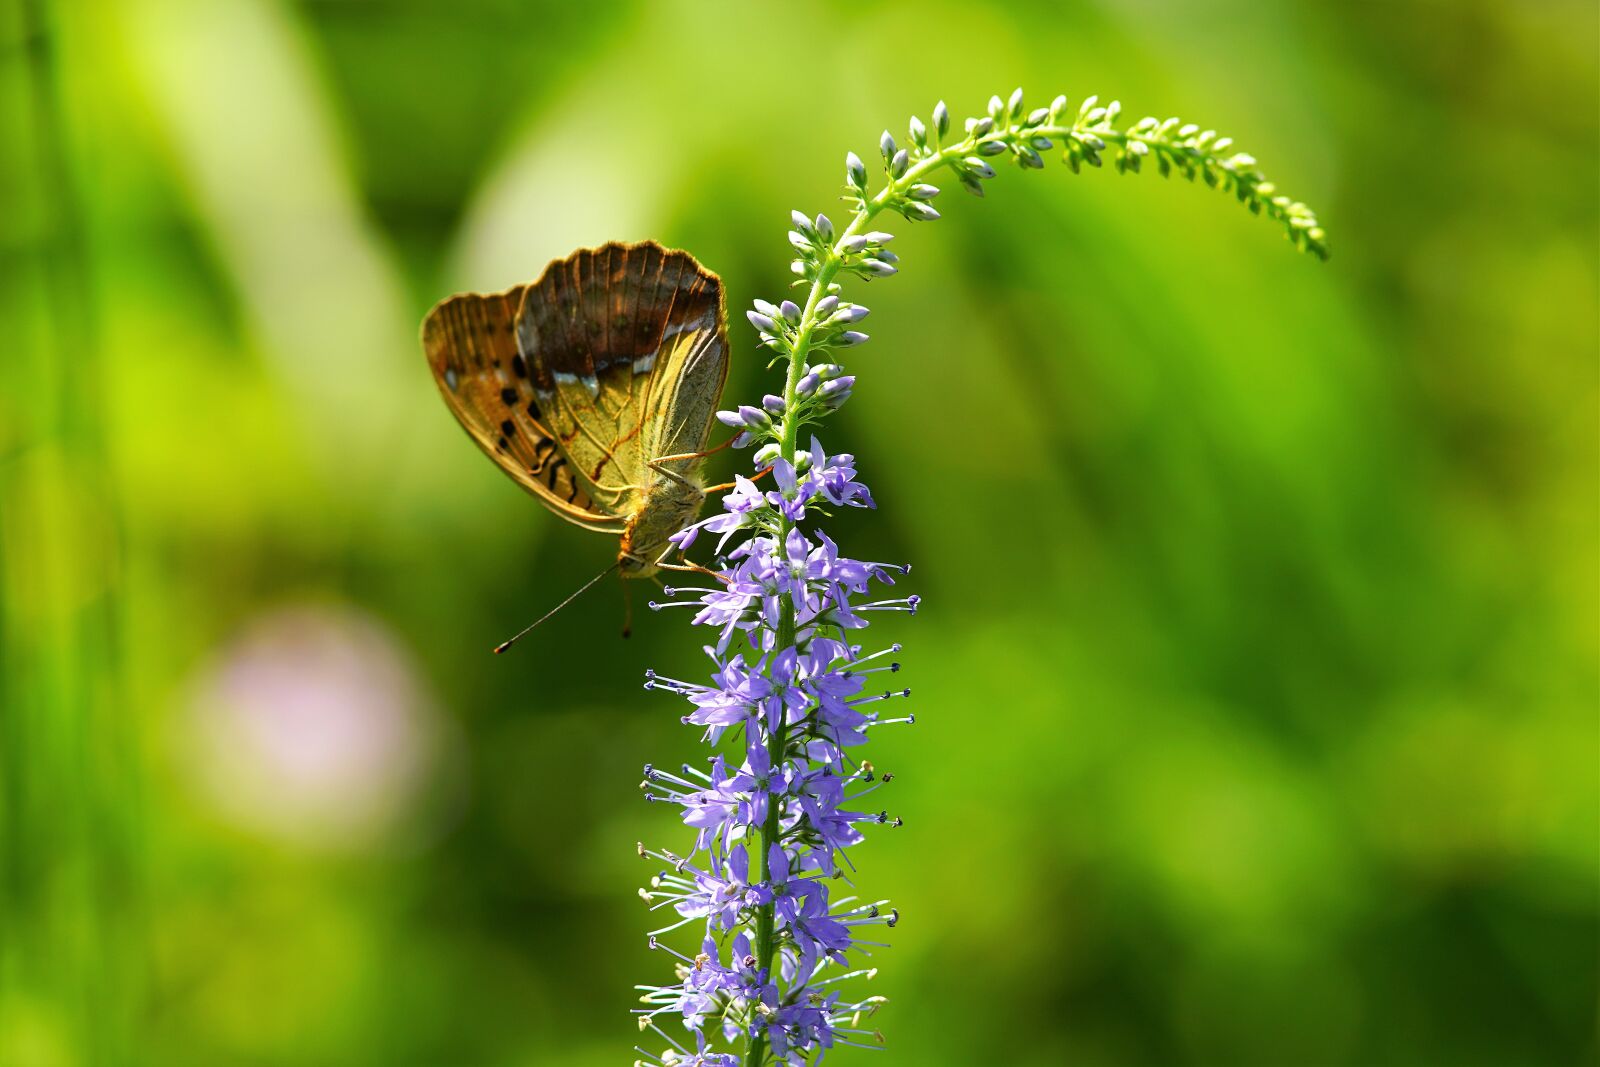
(1257, 679)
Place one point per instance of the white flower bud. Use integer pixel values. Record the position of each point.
(855, 172)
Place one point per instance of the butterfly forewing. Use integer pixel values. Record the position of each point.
(575, 384)
(471, 344)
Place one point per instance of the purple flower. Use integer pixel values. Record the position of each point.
(835, 478)
(774, 817)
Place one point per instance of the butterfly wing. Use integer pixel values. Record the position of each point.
(690, 371)
(471, 344)
(613, 337)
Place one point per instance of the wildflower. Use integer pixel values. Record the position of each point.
(794, 695)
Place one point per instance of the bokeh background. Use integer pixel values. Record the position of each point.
(1257, 677)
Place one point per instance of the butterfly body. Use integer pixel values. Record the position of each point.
(667, 508)
(594, 388)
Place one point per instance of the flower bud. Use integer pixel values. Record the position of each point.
(825, 228)
(1014, 105)
(765, 307)
(851, 338)
(898, 164)
(847, 315)
(997, 107)
(991, 148)
(878, 237)
(789, 310)
(730, 418)
(800, 240)
(753, 417)
(922, 191)
(979, 127)
(855, 172)
(886, 146)
(915, 209)
(978, 167)
(826, 305)
(836, 392)
(806, 386)
(919, 132)
(851, 245)
(941, 118)
(767, 454)
(877, 267)
(773, 403)
(801, 220)
(761, 322)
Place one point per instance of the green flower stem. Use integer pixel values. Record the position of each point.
(1195, 154)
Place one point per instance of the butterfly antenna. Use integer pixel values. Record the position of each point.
(627, 609)
(583, 589)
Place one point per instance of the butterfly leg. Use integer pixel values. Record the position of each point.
(702, 455)
(688, 565)
(708, 490)
(698, 455)
(656, 466)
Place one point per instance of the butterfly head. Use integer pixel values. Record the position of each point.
(671, 504)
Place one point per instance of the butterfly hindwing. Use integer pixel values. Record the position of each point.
(691, 366)
(615, 338)
(471, 344)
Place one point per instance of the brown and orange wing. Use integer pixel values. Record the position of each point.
(471, 344)
(606, 333)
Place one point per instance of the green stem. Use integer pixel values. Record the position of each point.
(766, 939)
(1191, 156)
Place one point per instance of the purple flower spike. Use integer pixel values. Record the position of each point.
(776, 809)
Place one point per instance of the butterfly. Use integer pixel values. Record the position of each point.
(595, 388)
